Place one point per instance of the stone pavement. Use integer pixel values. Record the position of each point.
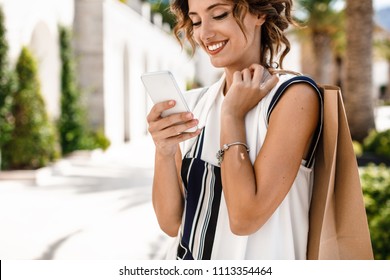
(88, 206)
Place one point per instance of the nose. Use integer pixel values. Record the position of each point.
(207, 31)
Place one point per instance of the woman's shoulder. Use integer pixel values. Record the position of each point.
(271, 96)
(291, 79)
(287, 81)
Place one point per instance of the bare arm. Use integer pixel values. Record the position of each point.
(167, 192)
(253, 192)
(167, 195)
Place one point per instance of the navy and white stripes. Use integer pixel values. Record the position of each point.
(203, 189)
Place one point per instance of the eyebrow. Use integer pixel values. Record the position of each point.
(211, 7)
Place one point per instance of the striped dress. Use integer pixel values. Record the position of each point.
(203, 189)
(205, 232)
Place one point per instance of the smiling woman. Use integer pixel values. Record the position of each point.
(240, 186)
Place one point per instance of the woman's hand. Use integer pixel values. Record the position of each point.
(167, 132)
(248, 87)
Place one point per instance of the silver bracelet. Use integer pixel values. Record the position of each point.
(226, 147)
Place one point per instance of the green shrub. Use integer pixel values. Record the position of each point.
(33, 142)
(72, 121)
(357, 148)
(72, 124)
(376, 190)
(378, 143)
(95, 140)
(7, 88)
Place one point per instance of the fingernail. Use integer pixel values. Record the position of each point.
(171, 102)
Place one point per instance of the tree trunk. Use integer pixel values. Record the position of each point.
(358, 66)
(338, 72)
(308, 60)
(323, 58)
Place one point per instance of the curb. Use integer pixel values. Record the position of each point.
(42, 176)
(39, 176)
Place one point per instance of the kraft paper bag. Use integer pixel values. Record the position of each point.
(338, 222)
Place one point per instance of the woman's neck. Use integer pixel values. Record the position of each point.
(228, 79)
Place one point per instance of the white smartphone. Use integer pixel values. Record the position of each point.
(162, 86)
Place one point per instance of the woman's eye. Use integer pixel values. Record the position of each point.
(222, 16)
(218, 17)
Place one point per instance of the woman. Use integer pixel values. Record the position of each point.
(251, 201)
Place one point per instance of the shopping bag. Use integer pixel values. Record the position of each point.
(338, 227)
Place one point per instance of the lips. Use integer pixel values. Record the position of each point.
(215, 47)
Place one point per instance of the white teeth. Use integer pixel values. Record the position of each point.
(216, 46)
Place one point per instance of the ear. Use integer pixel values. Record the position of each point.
(260, 19)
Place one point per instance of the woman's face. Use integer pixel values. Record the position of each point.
(219, 35)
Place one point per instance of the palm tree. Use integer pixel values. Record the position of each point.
(358, 68)
(323, 22)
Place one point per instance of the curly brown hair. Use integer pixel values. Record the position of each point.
(273, 39)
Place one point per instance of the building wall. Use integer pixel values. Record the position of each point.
(134, 45)
(34, 24)
(114, 45)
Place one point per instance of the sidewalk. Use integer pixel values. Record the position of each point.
(89, 207)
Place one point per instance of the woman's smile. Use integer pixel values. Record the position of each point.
(215, 47)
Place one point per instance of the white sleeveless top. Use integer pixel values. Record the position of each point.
(284, 235)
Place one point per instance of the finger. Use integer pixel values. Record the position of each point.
(270, 83)
(237, 77)
(175, 138)
(182, 137)
(176, 119)
(171, 120)
(246, 75)
(260, 74)
(177, 129)
(187, 135)
(158, 108)
(273, 71)
(258, 71)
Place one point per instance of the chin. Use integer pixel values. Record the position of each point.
(217, 63)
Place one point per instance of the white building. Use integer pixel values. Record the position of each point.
(114, 44)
